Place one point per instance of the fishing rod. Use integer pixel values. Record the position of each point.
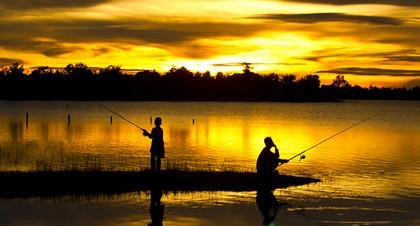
(329, 138)
(119, 115)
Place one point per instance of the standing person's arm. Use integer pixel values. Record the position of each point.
(147, 134)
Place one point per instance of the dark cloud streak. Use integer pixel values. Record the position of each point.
(237, 64)
(8, 61)
(415, 59)
(330, 17)
(415, 3)
(41, 4)
(47, 48)
(372, 71)
(20, 34)
(405, 55)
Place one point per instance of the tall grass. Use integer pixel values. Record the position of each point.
(29, 156)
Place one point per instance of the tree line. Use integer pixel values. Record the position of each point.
(80, 82)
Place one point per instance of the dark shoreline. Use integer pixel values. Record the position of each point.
(61, 183)
(80, 82)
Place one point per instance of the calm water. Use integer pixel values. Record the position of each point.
(370, 174)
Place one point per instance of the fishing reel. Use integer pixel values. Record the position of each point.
(302, 157)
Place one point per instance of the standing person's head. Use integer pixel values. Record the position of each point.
(158, 121)
(268, 142)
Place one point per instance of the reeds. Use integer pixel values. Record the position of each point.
(29, 156)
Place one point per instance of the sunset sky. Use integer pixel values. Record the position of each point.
(371, 42)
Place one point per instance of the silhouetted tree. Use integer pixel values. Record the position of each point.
(416, 92)
(339, 88)
(207, 75)
(78, 71)
(248, 74)
(273, 77)
(110, 73)
(219, 75)
(147, 75)
(247, 68)
(2, 72)
(181, 73)
(42, 73)
(111, 83)
(309, 87)
(287, 87)
(197, 75)
(340, 82)
(310, 82)
(287, 80)
(15, 71)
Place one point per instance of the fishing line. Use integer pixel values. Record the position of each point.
(336, 134)
(119, 115)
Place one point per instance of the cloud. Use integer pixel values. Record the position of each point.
(415, 59)
(412, 83)
(38, 4)
(405, 35)
(8, 61)
(330, 17)
(319, 58)
(351, 2)
(372, 71)
(191, 49)
(47, 48)
(405, 55)
(20, 35)
(130, 31)
(101, 50)
(151, 32)
(183, 38)
(237, 64)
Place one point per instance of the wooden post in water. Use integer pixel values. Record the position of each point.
(68, 119)
(27, 120)
(68, 114)
(110, 119)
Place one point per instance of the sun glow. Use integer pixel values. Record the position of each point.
(276, 36)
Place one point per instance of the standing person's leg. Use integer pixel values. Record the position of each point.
(158, 163)
(152, 163)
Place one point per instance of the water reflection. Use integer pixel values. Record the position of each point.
(224, 136)
(267, 205)
(156, 207)
(15, 132)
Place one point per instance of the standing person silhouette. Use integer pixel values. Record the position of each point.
(157, 149)
(267, 162)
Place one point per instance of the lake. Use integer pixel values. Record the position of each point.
(370, 173)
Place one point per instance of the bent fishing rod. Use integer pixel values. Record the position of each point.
(329, 138)
(119, 115)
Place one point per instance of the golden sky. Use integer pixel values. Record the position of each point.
(371, 42)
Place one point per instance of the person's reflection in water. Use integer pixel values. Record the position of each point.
(268, 205)
(156, 207)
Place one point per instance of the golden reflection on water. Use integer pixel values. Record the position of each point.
(377, 157)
